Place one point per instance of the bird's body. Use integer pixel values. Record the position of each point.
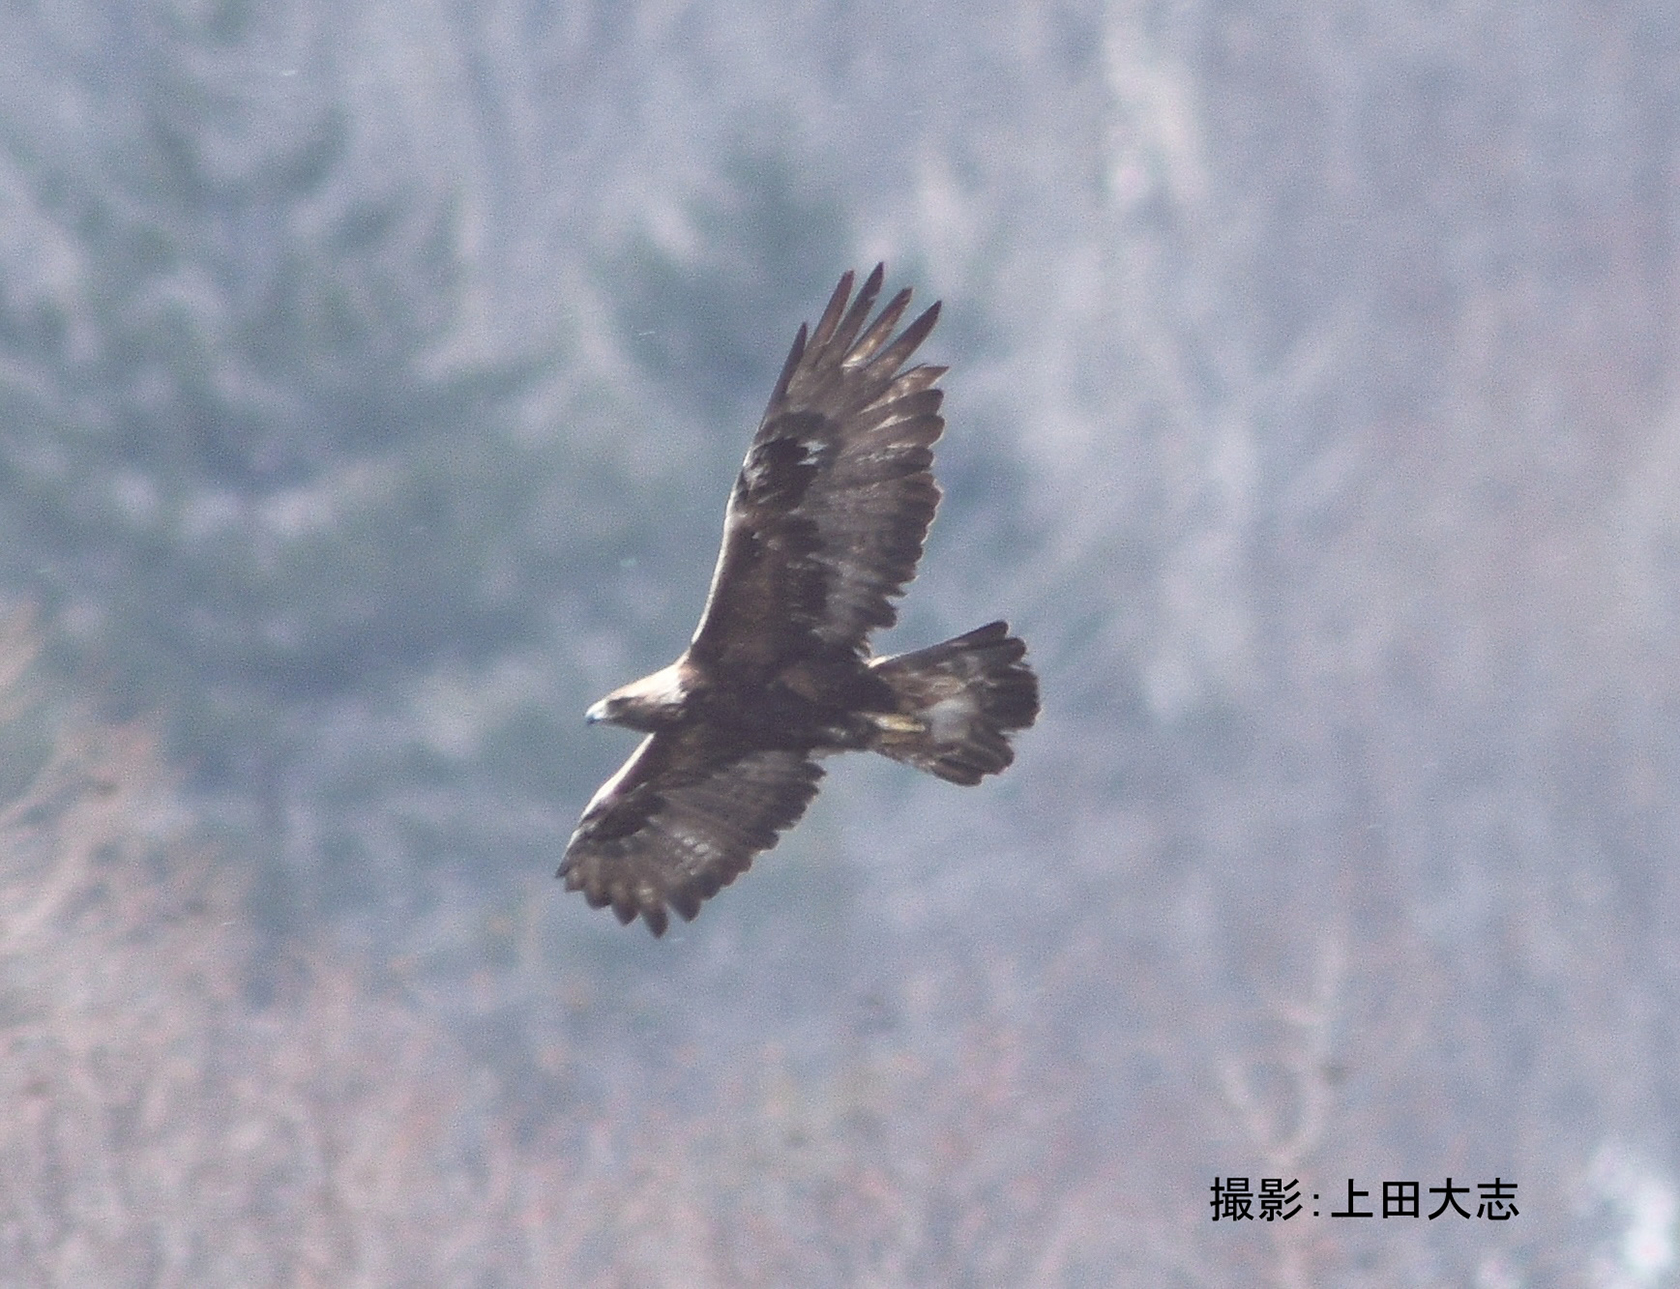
(824, 528)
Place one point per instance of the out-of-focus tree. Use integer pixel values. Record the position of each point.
(163, 1128)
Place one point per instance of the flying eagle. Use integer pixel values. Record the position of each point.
(822, 532)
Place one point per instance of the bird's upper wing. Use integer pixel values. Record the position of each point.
(682, 819)
(830, 510)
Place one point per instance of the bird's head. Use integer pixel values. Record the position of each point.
(648, 704)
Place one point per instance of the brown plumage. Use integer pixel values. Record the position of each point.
(823, 530)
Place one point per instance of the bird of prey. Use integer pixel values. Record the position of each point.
(821, 534)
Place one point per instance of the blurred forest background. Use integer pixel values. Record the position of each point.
(372, 377)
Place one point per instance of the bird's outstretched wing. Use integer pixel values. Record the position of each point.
(831, 508)
(683, 818)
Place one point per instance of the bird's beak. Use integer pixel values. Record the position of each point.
(596, 714)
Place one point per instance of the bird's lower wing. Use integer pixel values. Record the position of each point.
(682, 819)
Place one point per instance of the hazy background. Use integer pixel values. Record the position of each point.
(372, 377)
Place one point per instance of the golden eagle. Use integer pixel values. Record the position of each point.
(823, 530)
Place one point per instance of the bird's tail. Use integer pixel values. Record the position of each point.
(957, 704)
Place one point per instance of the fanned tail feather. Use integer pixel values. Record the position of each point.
(957, 704)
